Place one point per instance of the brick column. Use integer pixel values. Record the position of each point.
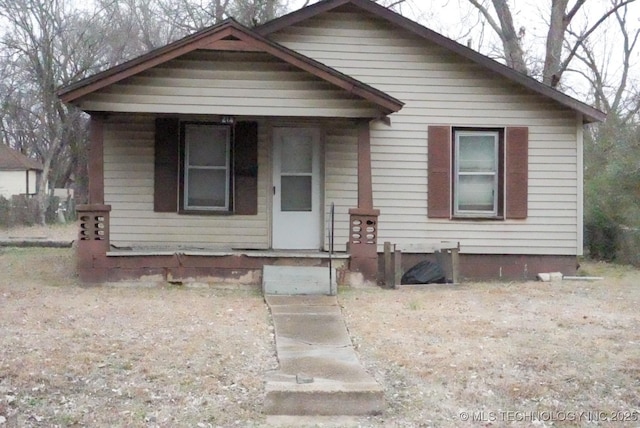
(93, 242)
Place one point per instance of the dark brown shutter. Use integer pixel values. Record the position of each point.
(517, 172)
(245, 168)
(166, 160)
(439, 172)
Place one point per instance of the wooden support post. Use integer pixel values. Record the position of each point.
(455, 264)
(397, 267)
(389, 276)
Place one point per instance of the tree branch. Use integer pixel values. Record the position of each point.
(487, 15)
(586, 34)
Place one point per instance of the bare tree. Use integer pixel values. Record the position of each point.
(560, 37)
(45, 44)
(617, 92)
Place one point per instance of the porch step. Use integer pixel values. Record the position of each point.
(319, 372)
(297, 280)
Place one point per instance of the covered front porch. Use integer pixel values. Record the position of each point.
(128, 231)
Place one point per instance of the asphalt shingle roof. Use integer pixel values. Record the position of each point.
(12, 160)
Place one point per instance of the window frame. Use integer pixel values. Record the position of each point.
(497, 213)
(185, 167)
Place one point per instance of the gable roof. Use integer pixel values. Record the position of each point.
(590, 114)
(228, 35)
(13, 160)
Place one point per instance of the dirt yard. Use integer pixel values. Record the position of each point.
(498, 354)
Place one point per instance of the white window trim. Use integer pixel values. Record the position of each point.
(476, 213)
(188, 167)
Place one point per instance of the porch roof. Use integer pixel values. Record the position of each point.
(229, 36)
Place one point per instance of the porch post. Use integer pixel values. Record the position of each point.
(93, 218)
(96, 159)
(363, 222)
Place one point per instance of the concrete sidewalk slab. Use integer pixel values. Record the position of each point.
(319, 371)
(298, 280)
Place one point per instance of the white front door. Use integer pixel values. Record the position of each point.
(296, 189)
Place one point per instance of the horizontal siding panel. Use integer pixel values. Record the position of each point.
(475, 237)
(129, 190)
(130, 181)
(116, 169)
(552, 182)
(246, 94)
(230, 75)
(562, 192)
(192, 241)
(546, 167)
(398, 180)
(558, 175)
(121, 199)
(225, 110)
(553, 197)
(171, 232)
(246, 84)
(204, 100)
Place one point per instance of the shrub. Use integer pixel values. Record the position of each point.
(22, 210)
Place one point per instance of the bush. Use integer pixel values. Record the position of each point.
(601, 238)
(628, 246)
(22, 210)
(51, 215)
(5, 209)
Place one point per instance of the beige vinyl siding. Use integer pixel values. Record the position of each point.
(440, 88)
(128, 186)
(228, 83)
(341, 180)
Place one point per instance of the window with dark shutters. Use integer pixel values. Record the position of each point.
(512, 158)
(170, 169)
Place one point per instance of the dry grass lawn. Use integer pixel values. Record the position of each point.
(505, 351)
(196, 357)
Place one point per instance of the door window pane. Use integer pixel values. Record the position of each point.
(297, 154)
(296, 193)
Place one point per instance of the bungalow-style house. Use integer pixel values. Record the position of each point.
(224, 151)
(18, 173)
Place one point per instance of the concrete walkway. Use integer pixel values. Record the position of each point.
(319, 371)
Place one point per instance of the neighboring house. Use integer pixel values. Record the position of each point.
(19, 174)
(215, 154)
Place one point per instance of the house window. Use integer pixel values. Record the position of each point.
(477, 171)
(206, 167)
